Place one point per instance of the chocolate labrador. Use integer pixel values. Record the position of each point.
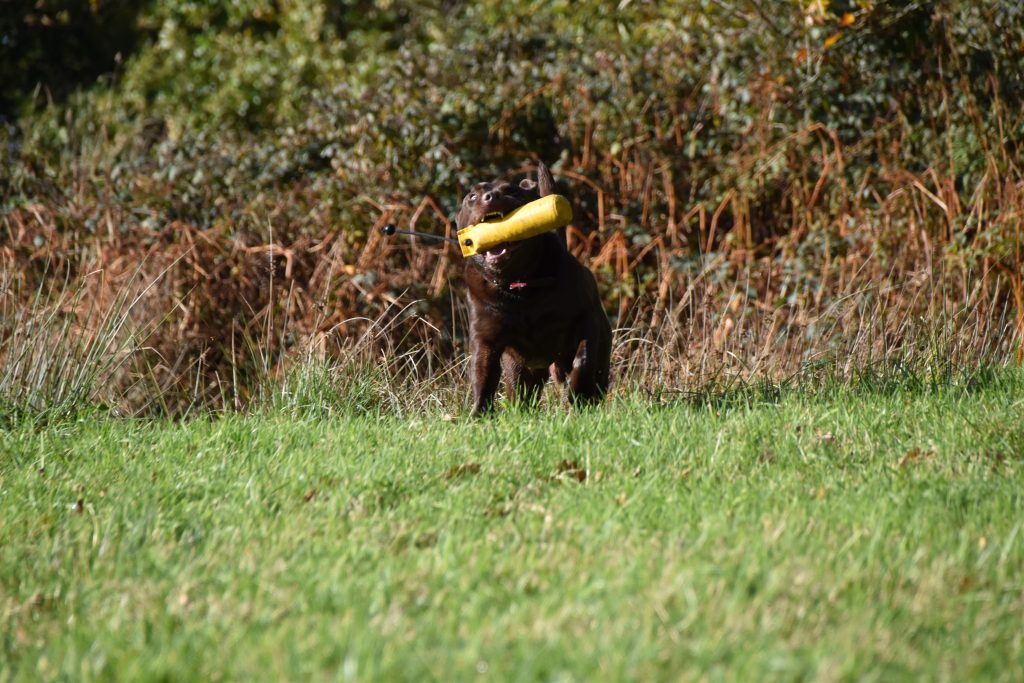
(534, 309)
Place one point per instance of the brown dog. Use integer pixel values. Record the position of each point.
(534, 309)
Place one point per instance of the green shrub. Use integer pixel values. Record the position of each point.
(780, 151)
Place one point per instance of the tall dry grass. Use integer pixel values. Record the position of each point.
(62, 350)
(197, 320)
(777, 279)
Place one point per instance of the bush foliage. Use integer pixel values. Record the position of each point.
(777, 151)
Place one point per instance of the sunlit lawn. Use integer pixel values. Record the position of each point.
(835, 535)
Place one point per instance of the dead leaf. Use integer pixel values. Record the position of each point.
(80, 506)
(848, 19)
(465, 469)
(832, 40)
(310, 495)
(914, 455)
(570, 468)
(994, 458)
(21, 637)
(501, 510)
(425, 540)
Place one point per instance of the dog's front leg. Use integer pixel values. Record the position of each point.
(486, 375)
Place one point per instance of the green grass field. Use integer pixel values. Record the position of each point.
(830, 535)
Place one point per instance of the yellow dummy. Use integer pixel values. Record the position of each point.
(529, 220)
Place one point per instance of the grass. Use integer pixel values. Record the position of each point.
(835, 534)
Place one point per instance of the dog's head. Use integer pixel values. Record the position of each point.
(497, 199)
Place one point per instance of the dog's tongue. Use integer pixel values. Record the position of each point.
(492, 255)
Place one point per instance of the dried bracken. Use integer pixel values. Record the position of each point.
(742, 223)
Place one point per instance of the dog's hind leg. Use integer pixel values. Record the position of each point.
(588, 380)
(582, 385)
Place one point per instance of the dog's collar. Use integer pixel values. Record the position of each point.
(532, 284)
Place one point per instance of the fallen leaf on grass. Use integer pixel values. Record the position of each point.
(500, 510)
(21, 637)
(915, 455)
(425, 540)
(310, 495)
(570, 468)
(462, 470)
(994, 458)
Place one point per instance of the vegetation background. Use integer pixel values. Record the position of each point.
(805, 220)
(190, 191)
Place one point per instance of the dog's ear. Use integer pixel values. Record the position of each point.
(545, 183)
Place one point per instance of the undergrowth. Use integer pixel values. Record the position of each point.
(827, 187)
